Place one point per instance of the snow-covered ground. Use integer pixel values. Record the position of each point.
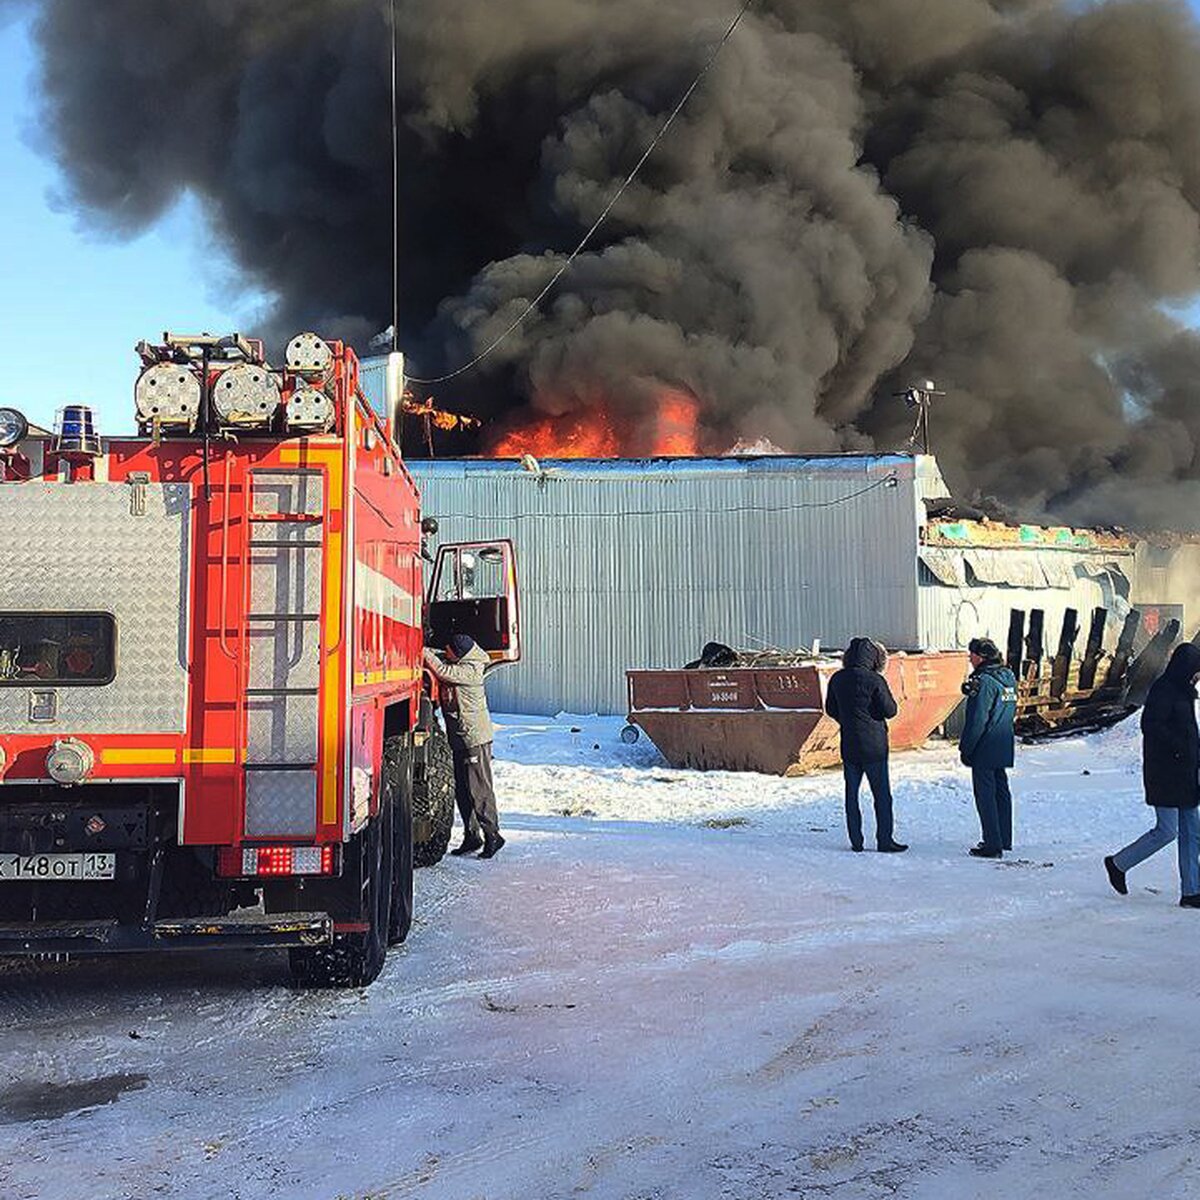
(668, 985)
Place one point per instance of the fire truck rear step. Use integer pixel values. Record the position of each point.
(241, 931)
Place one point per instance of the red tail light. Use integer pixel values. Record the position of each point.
(273, 861)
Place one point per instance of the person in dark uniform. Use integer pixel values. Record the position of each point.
(860, 701)
(469, 726)
(988, 744)
(1170, 762)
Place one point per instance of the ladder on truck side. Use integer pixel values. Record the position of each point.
(279, 650)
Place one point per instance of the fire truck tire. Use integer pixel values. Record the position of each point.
(433, 801)
(355, 959)
(398, 782)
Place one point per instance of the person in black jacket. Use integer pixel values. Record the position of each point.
(860, 701)
(1170, 762)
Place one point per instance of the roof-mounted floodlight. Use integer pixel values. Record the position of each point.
(245, 394)
(168, 394)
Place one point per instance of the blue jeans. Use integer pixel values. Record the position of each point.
(1180, 825)
(993, 802)
(881, 793)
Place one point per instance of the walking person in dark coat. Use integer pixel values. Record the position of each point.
(988, 744)
(469, 726)
(860, 701)
(1170, 766)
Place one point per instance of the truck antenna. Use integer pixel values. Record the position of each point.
(395, 194)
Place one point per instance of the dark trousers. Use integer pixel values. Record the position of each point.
(993, 800)
(881, 793)
(473, 790)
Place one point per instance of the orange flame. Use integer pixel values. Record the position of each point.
(672, 430)
(676, 434)
(584, 434)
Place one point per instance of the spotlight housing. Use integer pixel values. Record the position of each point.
(70, 761)
(14, 427)
(245, 394)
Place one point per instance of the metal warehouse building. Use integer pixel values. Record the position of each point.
(627, 563)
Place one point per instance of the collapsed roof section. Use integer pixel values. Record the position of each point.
(964, 553)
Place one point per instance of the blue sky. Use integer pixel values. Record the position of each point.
(72, 302)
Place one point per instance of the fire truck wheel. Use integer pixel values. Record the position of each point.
(355, 959)
(433, 801)
(398, 780)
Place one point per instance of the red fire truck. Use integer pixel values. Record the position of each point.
(215, 728)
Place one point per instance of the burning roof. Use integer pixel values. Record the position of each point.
(669, 427)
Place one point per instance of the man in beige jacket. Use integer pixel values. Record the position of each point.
(469, 725)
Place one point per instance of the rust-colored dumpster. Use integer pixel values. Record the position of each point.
(772, 719)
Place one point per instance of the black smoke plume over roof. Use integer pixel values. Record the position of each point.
(1001, 195)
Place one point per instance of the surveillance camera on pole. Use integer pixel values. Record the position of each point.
(919, 396)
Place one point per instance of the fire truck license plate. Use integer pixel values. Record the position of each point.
(58, 866)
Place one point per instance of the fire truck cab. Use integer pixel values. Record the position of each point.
(215, 725)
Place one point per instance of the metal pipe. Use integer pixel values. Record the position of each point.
(205, 424)
(393, 393)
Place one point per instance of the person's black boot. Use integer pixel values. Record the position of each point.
(891, 847)
(981, 851)
(1116, 876)
(1189, 901)
(492, 847)
(470, 844)
(856, 847)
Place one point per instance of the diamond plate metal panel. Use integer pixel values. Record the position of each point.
(81, 546)
(278, 492)
(284, 654)
(285, 579)
(281, 803)
(281, 729)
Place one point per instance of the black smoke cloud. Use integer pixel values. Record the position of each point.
(1001, 195)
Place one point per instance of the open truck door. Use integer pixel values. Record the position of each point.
(473, 590)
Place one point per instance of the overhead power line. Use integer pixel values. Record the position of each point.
(889, 481)
(488, 350)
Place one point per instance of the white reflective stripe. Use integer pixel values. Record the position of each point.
(376, 593)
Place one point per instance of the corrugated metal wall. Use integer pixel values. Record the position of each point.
(638, 564)
(372, 380)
